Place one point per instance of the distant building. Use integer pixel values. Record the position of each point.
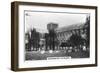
(51, 38)
(64, 33)
(82, 29)
(56, 36)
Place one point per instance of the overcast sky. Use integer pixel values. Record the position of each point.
(39, 20)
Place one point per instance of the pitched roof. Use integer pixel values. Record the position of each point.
(71, 27)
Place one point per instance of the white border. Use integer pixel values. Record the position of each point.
(46, 63)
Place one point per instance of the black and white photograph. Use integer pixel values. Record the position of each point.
(53, 36)
(56, 35)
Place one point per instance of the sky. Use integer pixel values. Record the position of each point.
(39, 20)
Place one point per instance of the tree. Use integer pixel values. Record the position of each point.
(88, 31)
(76, 40)
(35, 38)
(51, 40)
(28, 43)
